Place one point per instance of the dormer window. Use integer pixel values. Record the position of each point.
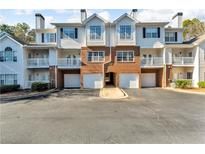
(51, 37)
(95, 33)
(125, 32)
(171, 36)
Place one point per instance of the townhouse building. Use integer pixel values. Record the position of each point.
(95, 53)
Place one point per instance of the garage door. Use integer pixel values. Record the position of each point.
(93, 81)
(71, 80)
(148, 79)
(129, 80)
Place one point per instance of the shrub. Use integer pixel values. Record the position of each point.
(9, 88)
(201, 84)
(39, 86)
(183, 83)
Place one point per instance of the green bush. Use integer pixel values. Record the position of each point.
(9, 88)
(39, 86)
(201, 84)
(183, 83)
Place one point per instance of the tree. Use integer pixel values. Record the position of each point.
(193, 28)
(21, 31)
(6, 28)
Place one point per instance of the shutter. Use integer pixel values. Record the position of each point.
(175, 36)
(61, 33)
(144, 32)
(158, 31)
(76, 33)
(42, 37)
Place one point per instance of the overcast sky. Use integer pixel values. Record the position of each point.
(14, 16)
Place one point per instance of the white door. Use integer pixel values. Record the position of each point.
(129, 80)
(93, 81)
(71, 80)
(148, 79)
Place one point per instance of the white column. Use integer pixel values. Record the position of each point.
(195, 76)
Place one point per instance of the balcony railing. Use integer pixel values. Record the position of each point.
(29, 83)
(69, 62)
(154, 61)
(183, 60)
(37, 62)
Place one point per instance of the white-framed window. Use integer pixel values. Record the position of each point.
(69, 32)
(125, 32)
(125, 56)
(96, 56)
(8, 79)
(95, 33)
(8, 55)
(51, 37)
(151, 33)
(170, 36)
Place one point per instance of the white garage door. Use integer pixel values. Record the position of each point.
(129, 80)
(93, 81)
(148, 79)
(71, 80)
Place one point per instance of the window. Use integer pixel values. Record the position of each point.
(189, 75)
(95, 32)
(151, 33)
(125, 56)
(170, 36)
(96, 56)
(125, 32)
(51, 37)
(69, 33)
(8, 55)
(8, 79)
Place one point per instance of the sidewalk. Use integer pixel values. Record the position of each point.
(185, 91)
(112, 93)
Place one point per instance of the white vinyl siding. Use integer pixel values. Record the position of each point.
(125, 56)
(95, 33)
(8, 79)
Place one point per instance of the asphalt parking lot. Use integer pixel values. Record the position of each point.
(80, 116)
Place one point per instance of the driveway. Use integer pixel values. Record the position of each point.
(80, 116)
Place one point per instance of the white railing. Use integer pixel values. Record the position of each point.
(38, 62)
(29, 83)
(183, 60)
(69, 62)
(154, 61)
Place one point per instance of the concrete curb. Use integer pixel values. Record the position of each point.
(33, 96)
(184, 91)
(125, 94)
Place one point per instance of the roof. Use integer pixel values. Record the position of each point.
(151, 23)
(5, 34)
(123, 16)
(174, 28)
(199, 39)
(93, 16)
(67, 24)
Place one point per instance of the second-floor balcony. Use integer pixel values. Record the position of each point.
(183, 60)
(152, 62)
(37, 63)
(69, 62)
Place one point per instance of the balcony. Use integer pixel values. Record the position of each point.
(152, 62)
(69, 62)
(37, 63)
(183, 61)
